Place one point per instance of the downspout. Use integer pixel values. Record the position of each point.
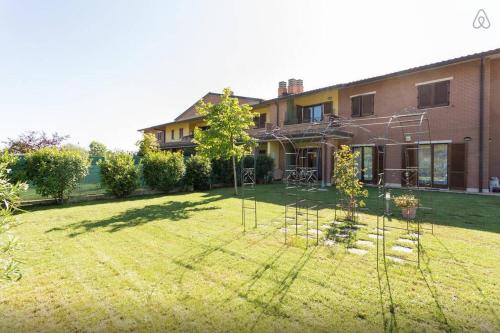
(481, 124)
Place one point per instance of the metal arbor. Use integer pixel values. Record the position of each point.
(248, 187)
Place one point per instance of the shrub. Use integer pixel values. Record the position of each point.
(119, 175)
(264, 167)
(163, 170)
(222, 172)
(56, 172)
(148, 144)
(198, 169)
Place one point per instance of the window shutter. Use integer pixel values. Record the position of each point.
(327, 107)
(262, 120)
(356, 106)
(256, 120)
(458, 169)
(299, 109)
(306, 114)
(367, 105)
(425, 96)
(442, 93)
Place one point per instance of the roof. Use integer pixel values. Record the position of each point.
(190, 113)
(438, 64)
(214, 98)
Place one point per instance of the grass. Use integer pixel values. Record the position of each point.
(183, 263)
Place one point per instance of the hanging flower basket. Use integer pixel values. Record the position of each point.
(408, 204)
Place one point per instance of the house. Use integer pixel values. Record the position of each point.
(461, 98)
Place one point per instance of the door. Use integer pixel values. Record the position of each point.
(457, 166)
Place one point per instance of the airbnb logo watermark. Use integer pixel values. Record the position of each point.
(481, 20)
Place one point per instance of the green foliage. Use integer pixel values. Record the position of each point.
(9, 203)
(264, 167)
(97, 149)
(226, 136)
(56, 172)
(198, 170)
(346, 179)
(163, 170)
(148, 144)
(406, 201)
(119, 174)
(222, 172)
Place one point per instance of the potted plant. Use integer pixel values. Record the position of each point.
(408, 204)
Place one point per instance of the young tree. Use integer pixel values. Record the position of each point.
(148, 144)
(346, 179)
(226, 136)
(32, 140)
(97, 149)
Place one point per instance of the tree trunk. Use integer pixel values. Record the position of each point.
(235, 178)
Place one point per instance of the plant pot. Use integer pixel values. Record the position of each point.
(409, 213)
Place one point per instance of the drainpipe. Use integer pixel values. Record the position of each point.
(481, 124)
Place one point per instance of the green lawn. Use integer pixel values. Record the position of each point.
(182, 263)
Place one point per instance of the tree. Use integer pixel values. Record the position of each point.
(33, 140)
(119, 174)
(148, 144)
(346, 179)
(97, 149)
(56, 172)
(226, 136)
(9, 203)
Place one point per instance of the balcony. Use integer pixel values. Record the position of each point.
(184, 142)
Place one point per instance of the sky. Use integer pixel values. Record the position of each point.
(101, 70)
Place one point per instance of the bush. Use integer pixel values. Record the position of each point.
(148, 144)
(198, 170)
(222, 172)
(119, 175)
(56, 172)
(264, 167)
(163, 170)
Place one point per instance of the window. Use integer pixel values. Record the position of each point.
(365, 163)
(260, 120)
(433, 165)
(362, 105)
(181, 133)
(172, 135)
(434, 94)
(309, 114)
(160, 135)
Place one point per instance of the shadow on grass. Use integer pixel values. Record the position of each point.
(172, 211)
(461, 210)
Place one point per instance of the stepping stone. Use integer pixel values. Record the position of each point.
(402, 249)
(359, 226)
(329, 242)
(357, 251)
(341, 235)
(326, 226)
(395, 259)
(415, 235)
(315, 231)
(364, 243)
(337, 222)
(380, 230)
(262, 225)
(293, 225)
(408, 241)
(375, 236)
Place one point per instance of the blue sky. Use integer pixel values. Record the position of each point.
(102, 69)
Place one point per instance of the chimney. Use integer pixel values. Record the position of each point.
(299, 86)
(282, 91)
(292, 86)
